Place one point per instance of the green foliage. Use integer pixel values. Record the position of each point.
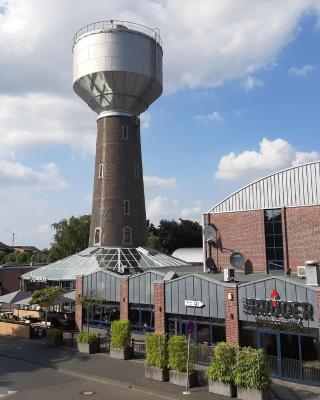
(71, 236)
(87, 338)
(120, 334)
(50, 293)
(251, 371)
(40, 257)
(88, 302)
(171, 235)
(3, 255)
(178, 354)
(157, 350)
(222, 366)
(54, 336)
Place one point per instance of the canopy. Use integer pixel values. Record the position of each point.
(70, 296)
(15, 297)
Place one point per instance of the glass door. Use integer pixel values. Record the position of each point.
(269, 341)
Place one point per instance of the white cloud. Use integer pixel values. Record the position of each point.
(301, 72)
(272, 156)
(251, 82)
(193, 213)
(16, 174)
(161, 208)
(214, 116)
(156, 181)
(37, 120)
(145, 120)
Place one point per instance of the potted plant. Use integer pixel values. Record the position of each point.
(87, 343)
(178, 358)
(220, 372)
(54, 337)
(251, 376)
(120, 340)
(156, 364)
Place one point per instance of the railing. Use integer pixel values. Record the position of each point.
(121, 25)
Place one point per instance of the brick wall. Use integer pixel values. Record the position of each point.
(10, 278)
(240, 231)
(78, 307)
(124, 298)
(232, 315)
(159, 307)
(303, 235)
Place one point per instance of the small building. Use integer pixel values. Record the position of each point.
(10, 274)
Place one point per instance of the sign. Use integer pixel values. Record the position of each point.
(190, 327)
(193, 303)
(38, 278)
(237, 260)
(47, 303)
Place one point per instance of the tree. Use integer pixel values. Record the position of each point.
(71, 236)
(88, 303)
(171, 235)
(2, 257)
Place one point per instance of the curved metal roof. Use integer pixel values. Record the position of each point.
(291, 187)
(189, 254)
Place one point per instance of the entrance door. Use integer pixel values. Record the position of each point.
(269, 341)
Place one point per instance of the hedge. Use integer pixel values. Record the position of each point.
(87, 338)
(157, 350)
(120, 334)
(222, 365)
(178, 354)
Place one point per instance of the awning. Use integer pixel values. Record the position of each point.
(15, 297)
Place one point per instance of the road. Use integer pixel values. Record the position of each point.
(22, 381)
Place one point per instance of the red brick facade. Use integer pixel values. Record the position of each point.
(124, 298)
(78, 307)
(239, 231)
(159, 307)
(303, 235)
(232, 315)
(10, 278)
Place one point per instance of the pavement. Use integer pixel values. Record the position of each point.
(30, 368)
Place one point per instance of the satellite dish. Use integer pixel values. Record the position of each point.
(209, 232)
(237, 260)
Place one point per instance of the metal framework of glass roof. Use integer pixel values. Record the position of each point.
(93, 259)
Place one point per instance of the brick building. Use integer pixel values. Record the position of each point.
(274, 222)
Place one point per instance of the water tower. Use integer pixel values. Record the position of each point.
(117, 71)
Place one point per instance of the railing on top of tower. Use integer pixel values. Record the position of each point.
(102, 26)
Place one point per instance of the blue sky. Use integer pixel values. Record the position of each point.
(241, 99)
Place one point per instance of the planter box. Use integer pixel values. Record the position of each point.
(179, 378)
(121, 354)
(54, 341)
(88, 348)
(157, 374)
(17, 330)
(225, 389)
(252, 394)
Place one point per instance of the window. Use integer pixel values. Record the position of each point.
(127, 235)
(126, 207)
(101, 170)
(97, 236)
(136, 171)
(125, 134)
(274, 239)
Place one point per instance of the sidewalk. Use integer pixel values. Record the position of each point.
(126, 374)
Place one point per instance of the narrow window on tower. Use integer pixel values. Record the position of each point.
(127, 236)
(97, 236)
(101, 171)
(126, 207)
(125, 134)
(136, 171)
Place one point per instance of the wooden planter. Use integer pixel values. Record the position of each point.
(88, 348)
(157, 374)
(180, 378)
(121, 354)
(225, 389)
(252, 394)
(17, 330)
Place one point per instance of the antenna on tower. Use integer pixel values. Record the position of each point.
(13, 235)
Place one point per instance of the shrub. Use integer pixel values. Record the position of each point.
(120, 334)
(87, 338)
(222, 366)
(157, 350)
(54, 336)
(178, 354)
(251, 371)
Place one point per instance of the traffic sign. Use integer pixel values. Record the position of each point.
(193, 303)
(190, 327)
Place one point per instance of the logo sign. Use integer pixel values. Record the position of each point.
(237, 260)
(193, 303)
(190, 327)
